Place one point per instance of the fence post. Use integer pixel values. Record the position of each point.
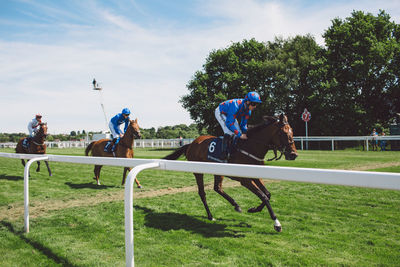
(129, 253)
(26, 191)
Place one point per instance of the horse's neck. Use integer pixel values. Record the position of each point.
(39, 137)
(127, 140)
(258, 143)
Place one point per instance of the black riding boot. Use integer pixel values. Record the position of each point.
(225, 146)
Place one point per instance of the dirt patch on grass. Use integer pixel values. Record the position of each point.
(375, 166)
(14, 212)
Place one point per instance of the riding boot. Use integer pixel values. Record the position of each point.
(115, 143)
(225, 146)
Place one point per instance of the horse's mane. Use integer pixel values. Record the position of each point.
(267, 120)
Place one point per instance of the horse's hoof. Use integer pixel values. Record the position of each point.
(211, 219)
(50, 175)
(238, 209)
(139, 186)
(252, 210)
(278, 228)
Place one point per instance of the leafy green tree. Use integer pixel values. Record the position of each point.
(362, 51)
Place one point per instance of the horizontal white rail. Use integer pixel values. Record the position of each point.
(381, 180)
(171, 143)
(336, 177)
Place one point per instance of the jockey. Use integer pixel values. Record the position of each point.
(229, 111)
(33, 125)
(114, 124)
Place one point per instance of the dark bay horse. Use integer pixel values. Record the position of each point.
(123, 150)
(272, 131)
(36, 146)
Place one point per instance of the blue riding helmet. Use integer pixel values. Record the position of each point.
(253, 97)
(126, 111)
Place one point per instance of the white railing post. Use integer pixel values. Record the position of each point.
(129, 253)
(26, 191)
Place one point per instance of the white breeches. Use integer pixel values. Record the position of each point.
(32, 131)
(113, 132)
(221, 118)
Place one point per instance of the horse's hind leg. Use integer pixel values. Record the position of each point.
(218, 188)
(38, 167)
(97, 169)
(23, 162)
(264, 198)
(48, 168)
(124, 176)
(202, 193)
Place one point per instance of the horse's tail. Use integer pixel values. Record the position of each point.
(89, 147)
(177, 153)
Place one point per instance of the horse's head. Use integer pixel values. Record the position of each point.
(134, 129)
(42, 130)
(284, 139)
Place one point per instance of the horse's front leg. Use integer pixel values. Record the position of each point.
(218, 188)
(38, 167)
(48, 168)
(262, 187)
(126, 169)
(264, 198)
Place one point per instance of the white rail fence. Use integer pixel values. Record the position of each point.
(332, 139)
(173, 143)
(337, 177)
(144, 143)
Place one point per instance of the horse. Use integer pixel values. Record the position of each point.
(272, 131)
(123, 150)
(35, 146)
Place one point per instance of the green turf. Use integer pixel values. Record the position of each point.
(322, 225)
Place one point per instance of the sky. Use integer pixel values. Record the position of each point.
(142, 53)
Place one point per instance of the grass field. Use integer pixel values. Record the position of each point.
(77, 223)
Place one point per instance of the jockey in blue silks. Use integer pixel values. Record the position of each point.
(228, 112)
(114, 124)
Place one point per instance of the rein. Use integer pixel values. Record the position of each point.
(250, 155)
(260, 142)
(37, 143)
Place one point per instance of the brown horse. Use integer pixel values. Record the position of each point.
(35, 146)
(272, 131)
(123, 150)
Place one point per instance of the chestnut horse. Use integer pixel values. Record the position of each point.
(272, 131)
(36, 146)
(123, 150)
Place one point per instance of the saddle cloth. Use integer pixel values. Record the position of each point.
(215, 149)
(25, 143)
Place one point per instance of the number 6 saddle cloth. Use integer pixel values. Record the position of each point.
(215, 150)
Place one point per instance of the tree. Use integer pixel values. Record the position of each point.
(363, 79)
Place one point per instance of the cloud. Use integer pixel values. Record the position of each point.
(143, 62)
